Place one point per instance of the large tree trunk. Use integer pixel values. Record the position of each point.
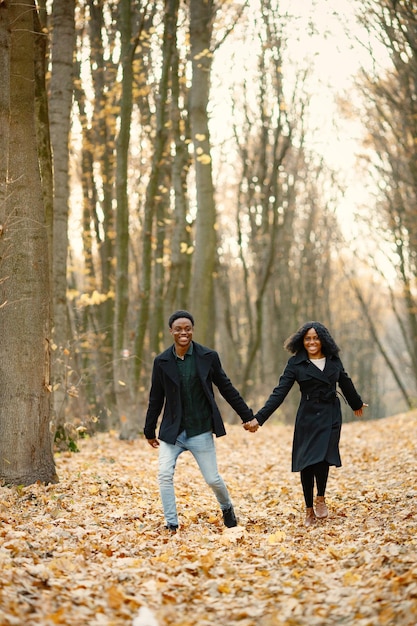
(4, 100)
(25, 440)
(63, 40)
(204, 262)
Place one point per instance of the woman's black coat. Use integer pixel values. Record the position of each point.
(165, 393)
(319, 417)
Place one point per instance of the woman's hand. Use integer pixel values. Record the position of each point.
(251, 426)
(359, 412)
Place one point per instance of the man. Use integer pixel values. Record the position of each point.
(182, 379)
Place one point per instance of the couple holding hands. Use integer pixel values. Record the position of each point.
(182, 389)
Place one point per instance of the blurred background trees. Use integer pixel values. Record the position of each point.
(197, 178)
(193, 158)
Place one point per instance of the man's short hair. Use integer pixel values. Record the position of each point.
(178, 314)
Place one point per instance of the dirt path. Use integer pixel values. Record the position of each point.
(92, 550)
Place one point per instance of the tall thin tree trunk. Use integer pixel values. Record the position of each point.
(177, 292)
(204, 262)
(42, 125)
(63, 41)
(101, 145)
(120, 365)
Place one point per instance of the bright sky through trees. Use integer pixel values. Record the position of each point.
(325, 37)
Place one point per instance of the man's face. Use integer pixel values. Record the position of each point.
(182, 332)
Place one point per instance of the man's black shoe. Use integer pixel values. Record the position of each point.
(229, 517)
(172, 527)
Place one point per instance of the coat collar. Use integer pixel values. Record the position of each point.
(313, 370)
(197, 348)
(168, 364)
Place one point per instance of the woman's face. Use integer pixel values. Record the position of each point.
(312, 344)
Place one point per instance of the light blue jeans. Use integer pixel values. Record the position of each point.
(203, 450)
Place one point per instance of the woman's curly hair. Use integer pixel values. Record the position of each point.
(295, 342)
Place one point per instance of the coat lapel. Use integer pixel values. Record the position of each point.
(314, 371)
(169, 366)
(203, 364)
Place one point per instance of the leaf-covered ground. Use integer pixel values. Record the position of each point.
(92, 550)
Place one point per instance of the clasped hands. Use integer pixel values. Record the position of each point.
(251, 426)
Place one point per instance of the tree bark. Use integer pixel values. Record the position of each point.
(100, 143)
(63, 40)
(4, 102)
(178, 288)
(25, 440)
(120, 365)
(205, 254)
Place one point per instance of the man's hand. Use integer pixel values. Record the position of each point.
(153, 442)
(251, 426)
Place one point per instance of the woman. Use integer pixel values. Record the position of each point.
(317, 369)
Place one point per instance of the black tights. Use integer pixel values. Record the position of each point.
(318, 471)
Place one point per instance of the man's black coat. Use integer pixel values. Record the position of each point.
(165, 393)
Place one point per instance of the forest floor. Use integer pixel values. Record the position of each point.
(92, 550)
